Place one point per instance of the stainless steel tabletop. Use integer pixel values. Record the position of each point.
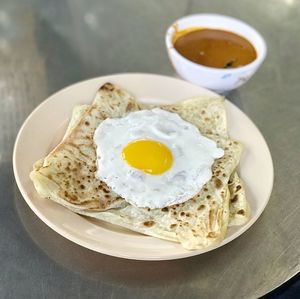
(46, 45)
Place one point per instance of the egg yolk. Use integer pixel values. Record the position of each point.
(149, 156)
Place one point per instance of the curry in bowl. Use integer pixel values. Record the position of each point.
(214, 47)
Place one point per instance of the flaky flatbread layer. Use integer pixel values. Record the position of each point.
(238, 205)
(67, 174)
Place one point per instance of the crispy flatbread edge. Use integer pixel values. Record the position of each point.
(46, 187)
(239, 207)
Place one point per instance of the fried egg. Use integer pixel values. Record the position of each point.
(153, 158)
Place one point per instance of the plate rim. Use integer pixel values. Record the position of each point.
(90, 246)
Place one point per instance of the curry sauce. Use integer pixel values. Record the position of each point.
(214, 48)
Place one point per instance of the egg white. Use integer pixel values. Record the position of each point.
(193, 156)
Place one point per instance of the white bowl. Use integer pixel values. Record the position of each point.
(216, 79)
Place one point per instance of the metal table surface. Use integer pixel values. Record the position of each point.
(46, 45)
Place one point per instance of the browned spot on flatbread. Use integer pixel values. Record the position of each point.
(218, 183)
(238, 187)
(107, 86)
(149, 223)
(211, 235)
(241, 212)
(73, 198)
(201, 207)
(165, 209)
(234, 199)
(130, 106)
(173, 225)
(93, 168)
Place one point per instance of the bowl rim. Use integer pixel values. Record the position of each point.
(254, 64)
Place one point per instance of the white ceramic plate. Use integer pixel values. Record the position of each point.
(45, 127)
